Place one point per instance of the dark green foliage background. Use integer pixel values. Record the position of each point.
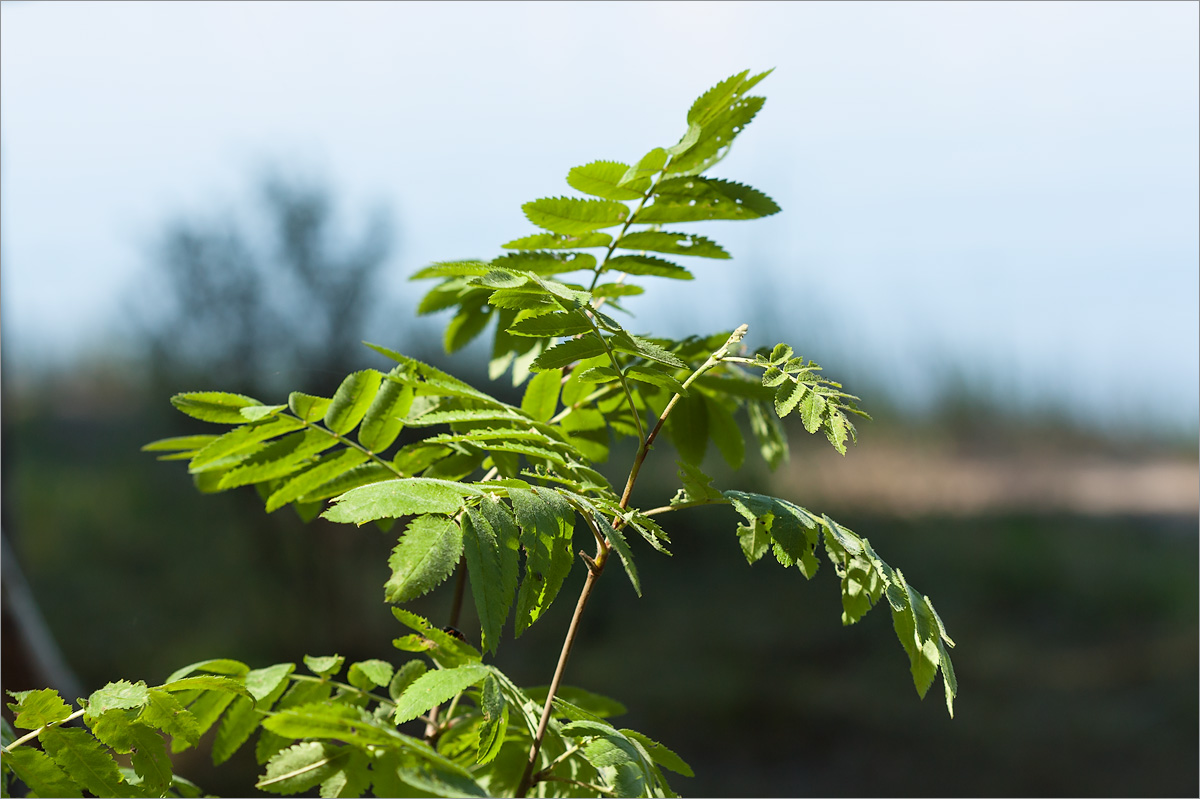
(1080, 677)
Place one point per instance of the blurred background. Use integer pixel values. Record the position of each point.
(989, 233)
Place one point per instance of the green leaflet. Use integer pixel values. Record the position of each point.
(214, 406)
(278, 459)
(308, 407)
(725, 433)
(660, 754)
(404, 677)
(770, 437)
(754, 540)
(325, 469)
(369, 674)
(435, 687)
(569, 351)
(551, 241)
(83, 759)
(446, 650)
(165, 712)
(351, 401)
(647, 265)
(650, 164)
(793, 529)
(150, 759)
(644, 348)
(687, 427)
(300, 767)
(697, 486)
(351, 776)
(656, 376)
(41, 774)
(672, 243)
(546, 263)
(716, 137)
(552, 324)
(573, 217)
(244, 715)
(360, 475)
(244, 437)
(787, 396)
(385, 417)
(617, 539)
(120, 694)
(472, 317)
(452, 269)
(38, 708)
(603, 178)
(330, 720)
(546, 521)
(392, 499)
(695, 199)
(490, 543)
(716, 100)
(179, 443)
(425, 556)
(541, 395)
(495, 715)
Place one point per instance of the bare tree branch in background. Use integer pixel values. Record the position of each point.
(281, 294)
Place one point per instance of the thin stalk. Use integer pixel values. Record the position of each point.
(30, 736)
(385, 464)
(344, 685)
(596, 565)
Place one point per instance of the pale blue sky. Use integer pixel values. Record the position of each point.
(1007, 187)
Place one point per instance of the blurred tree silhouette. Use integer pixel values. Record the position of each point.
(280, 295)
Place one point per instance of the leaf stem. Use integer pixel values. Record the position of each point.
(596, 565)
(343, 685)
(385, 464)
(30, 736)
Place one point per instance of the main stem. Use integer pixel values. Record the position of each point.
(596, 565)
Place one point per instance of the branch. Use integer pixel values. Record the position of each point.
(596, 565)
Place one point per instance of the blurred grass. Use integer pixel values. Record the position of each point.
(1078, 636)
